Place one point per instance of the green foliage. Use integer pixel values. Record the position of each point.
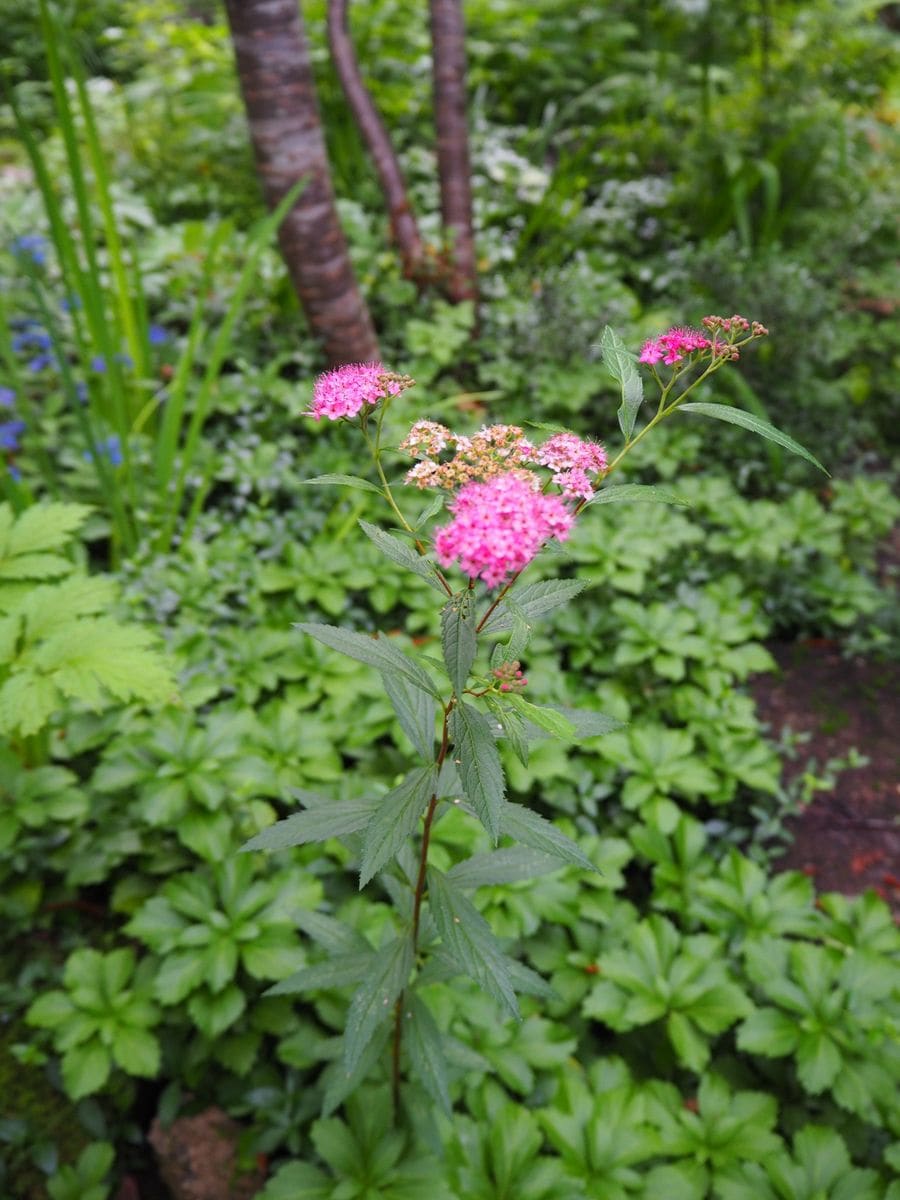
(105, 1017)
(87, 1179)
(54, 645)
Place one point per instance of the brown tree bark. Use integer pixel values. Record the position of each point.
(449, 70)
(285, 128)
(403, 222)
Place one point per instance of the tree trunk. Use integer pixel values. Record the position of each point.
(449, 68)
(403, 221)
(282, 112)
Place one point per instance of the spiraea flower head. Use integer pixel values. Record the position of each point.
(672, 346)
(510, 677)
(347, 390)
(499, 526)
(427, 438)
(493, 450)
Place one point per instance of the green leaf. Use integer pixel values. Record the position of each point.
(44, 527)
(50, 1010)
(478, 762)
(136, 1051)
(395, 820)
(179, 975)
(533, 830)
(315, 825)
(818, 1061)
(468, 940)
(373, 1003)
(636, 493)
(737, 416)
(768, 1031)
(548, 719)
(458, 638)
(350, 481)
(298, 1181)
(397, 552)
(376, 652)
(621, 364)
(533, 601)
(213, 1014)
(336, 972)
(85, 1069)
(416, 713)
(422, 1039)
(502, 866)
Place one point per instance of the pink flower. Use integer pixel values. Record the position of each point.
(567, 451)
(575, 484)
(499, 526)
(345, 391)
(672, 346)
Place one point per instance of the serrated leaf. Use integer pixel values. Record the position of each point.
(622, 365)
(27, 702)
(423, 1041)
(340, 971)
(737, 416)
(508, 865)
(458, 638)
(395, 820)
(44, 527)
(431, 509)
(340, 1083)
(510, 726)
(533, 830)
(548, 719)
(136, 1051)
(636, 493)
(85, 1069)
(349, 481)
(315, 825)
(478, 762)
(376, 652)
(528, 982)
(397, 552)
(416, 712)
(334, 936)
(532, 601)
(468, 940)
(372, 1003)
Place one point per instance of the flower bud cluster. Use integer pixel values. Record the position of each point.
(510, 677)
(678, 344)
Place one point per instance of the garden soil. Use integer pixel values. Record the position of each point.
(846, 839)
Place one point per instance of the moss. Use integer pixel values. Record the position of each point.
(26, 1094)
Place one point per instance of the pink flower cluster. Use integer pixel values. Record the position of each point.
(345, 391)
(499, 526)
(671, 347)
(574, 461)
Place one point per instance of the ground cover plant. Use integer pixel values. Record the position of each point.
(574, 968)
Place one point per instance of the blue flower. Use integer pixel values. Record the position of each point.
(7, 397)
(9, 434)
(37, 337)
(40, 363)
(30, 245)
(70, 303)
(110, 448)
(15, 473)
(98, 364)
(124, 359)
(81, 392)
(157, 336)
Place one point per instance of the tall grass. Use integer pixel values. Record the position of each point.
(102, 345)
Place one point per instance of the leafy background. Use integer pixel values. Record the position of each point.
(714, 1029)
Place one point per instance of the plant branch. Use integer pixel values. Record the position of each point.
(403, 222)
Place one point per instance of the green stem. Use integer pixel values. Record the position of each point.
(417, 901)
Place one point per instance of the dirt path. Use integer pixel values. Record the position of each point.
(848, 839)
